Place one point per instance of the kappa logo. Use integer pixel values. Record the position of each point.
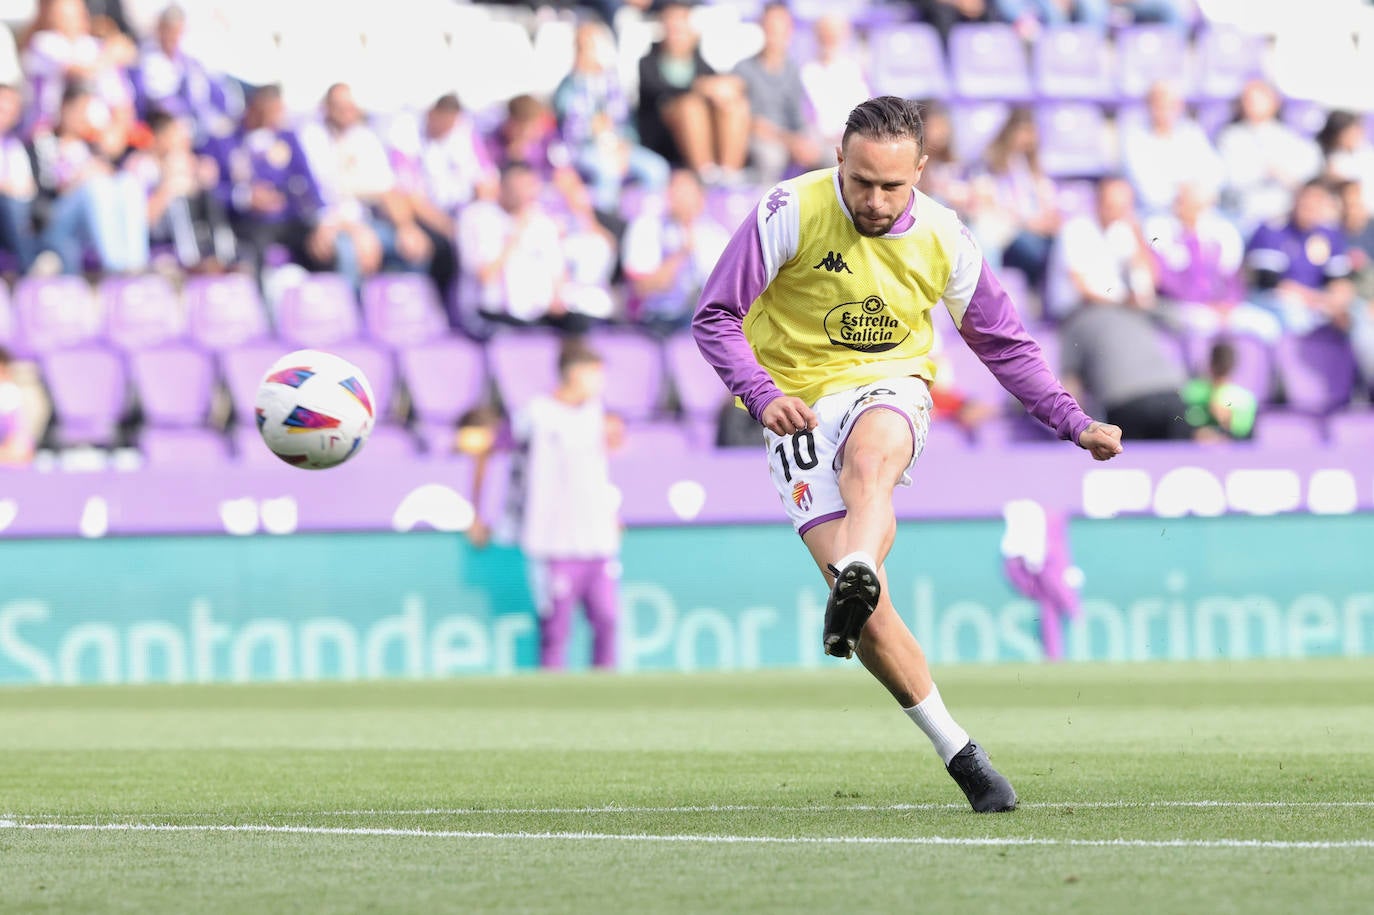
(776, 201)
(834, 263)
(865, 327)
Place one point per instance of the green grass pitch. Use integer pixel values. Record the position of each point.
(1245, 787)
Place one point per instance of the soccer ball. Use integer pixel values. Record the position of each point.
(314, 410)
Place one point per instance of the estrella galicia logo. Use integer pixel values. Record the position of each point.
(776, 201)
(865, 327)
(834, 263)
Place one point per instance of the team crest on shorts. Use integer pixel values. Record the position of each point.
(801, 495)
(866, 327)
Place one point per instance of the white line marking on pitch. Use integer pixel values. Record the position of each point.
(745, 808)
(698, 839)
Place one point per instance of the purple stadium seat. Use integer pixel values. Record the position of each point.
(445, 378)
(1352, 429)
(699, 388)
(88, 388)
(645, 440)
(321, 310)
(437, 440)
(141, 311)
(1075, 198)
(523, 365)
(1073, 62)
(1147, 54)
(1254, 366)
(729, 206)
(634, 372)
(975, 124)
(1073, 139)
(249, 448)
(964, 371)
(909, 61)
(989, 62)
(184, 447)
(1317, 370)
(1303, 115)
(243, 369)
(1213, 114)
(387, 444)
(945, 436)
(378, 367)
(1284, 429)
(6, 315)
(175, 384)
(54, 312)
(1226, 59)
(225, 311)
(402, 310)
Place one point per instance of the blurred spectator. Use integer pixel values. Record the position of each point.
(62, 52)
(167, 79)
(668, 256)
(84, 199)
(366, 220)
(529, 134)
(1030, 16)
(594, 118)
(17, 187)
(1016, 189)
(1265, 160)
(945, 14)
(834, 82)
(1300, 268)
(687, 112)
(1217, 408)
(1199, 257)
(1101, 258)
(943, 176)
(16, 444)
(951, 401)
(590, 248)
(441, 159)
(1349, 154)
(1113, 354)
(779, 136)
(513, 266)
(267, 187)
(1168, 150)
(563, 510)
(1359, 237)
(183, 209)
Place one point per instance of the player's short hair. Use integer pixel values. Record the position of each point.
(448, 103)
(1222, 360)
(576, 352)
(886, 117)
(159, 119)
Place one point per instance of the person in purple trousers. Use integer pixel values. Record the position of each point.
(562, 508)
(1038, 563)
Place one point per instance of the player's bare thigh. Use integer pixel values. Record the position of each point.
(877, 451)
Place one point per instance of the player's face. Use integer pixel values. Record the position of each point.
(587, 380)
(876, 180)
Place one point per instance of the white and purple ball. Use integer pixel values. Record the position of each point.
(314, 410)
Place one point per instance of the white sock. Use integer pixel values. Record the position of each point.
(931, 716)
(858, 556)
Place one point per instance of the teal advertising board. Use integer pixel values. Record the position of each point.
(344, 606)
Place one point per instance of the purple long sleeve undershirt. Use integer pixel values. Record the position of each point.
(991, 327)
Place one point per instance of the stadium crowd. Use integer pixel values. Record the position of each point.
(1166, 242)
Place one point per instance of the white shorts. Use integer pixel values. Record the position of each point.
(806, 465)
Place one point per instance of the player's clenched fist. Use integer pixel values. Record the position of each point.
(786, 415)
(1103, 440)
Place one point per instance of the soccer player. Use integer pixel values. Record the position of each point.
(818, 317)
(562, 507)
